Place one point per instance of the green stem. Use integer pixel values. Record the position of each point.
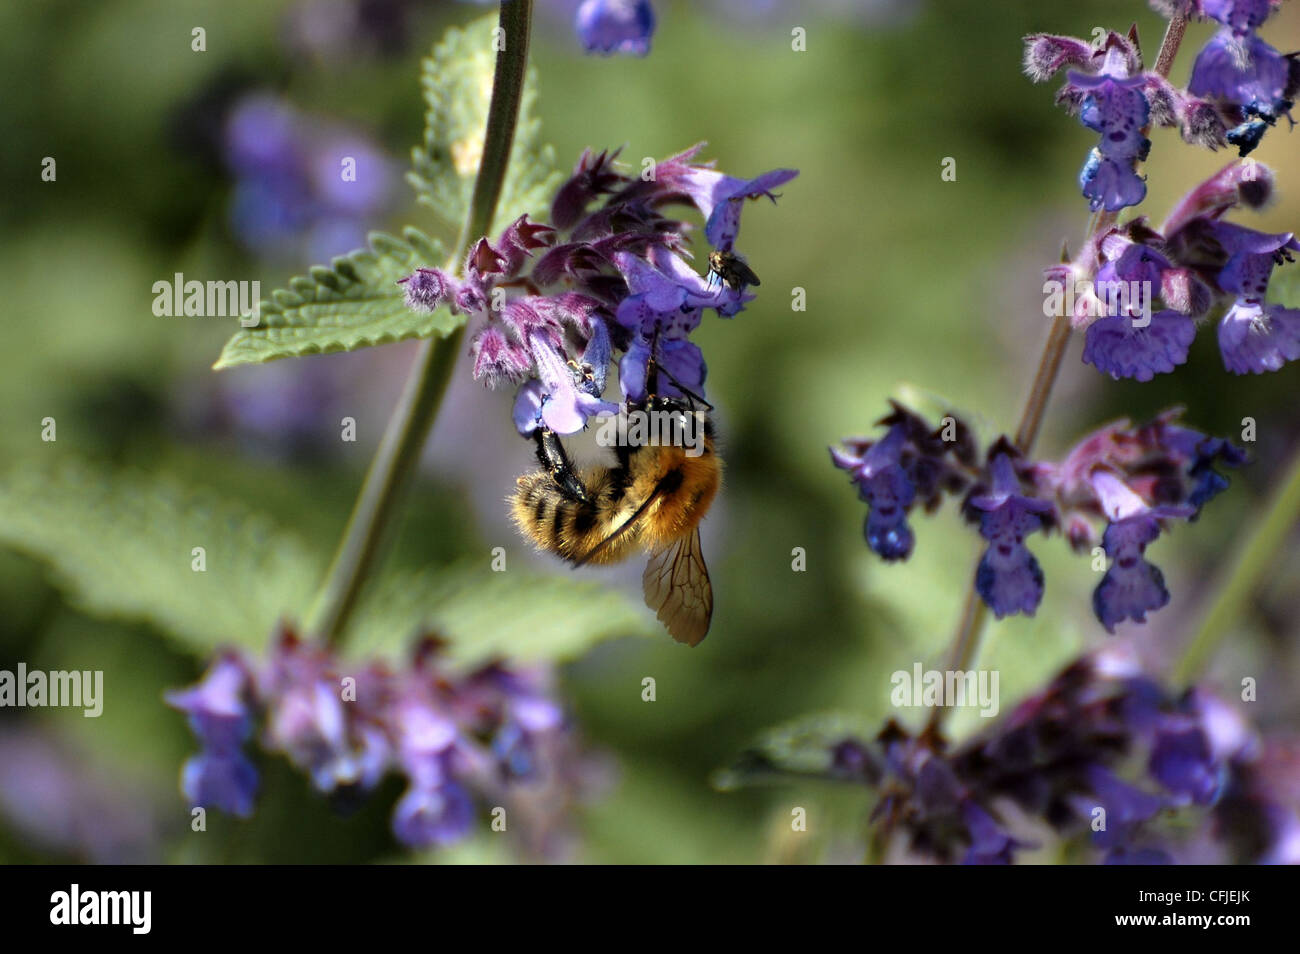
(1252, 560)
(970, 630)
(412, 419)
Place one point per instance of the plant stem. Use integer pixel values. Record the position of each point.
(1252, 560)
(416, 410)
(970, 629)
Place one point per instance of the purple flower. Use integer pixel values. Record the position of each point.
(883, 483)
(990, 844)
(1255, 337)
(1123, 349)
(1110, 183)
(1008, 577)
(217, 780)
(220, 776)
(1241, 15)
(1182, 761)
(308, 719)
(616, 26)
(1132, 587)
(435, 815)
(720, 199)
(1115, 105)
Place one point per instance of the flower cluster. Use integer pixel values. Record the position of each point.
(1118, 489)
(1102, 737)
(493, 731)
(555, 304)
(1144, 289)
(912, 463)
(1247, 83)
(1238, 88)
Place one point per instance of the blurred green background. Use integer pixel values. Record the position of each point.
(911, 281)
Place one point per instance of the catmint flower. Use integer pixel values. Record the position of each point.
(1008, 577)
(1248, 79)
(912, 463)
(307, 719)
(609, 280)
(616, 26)
(452, 736)
(1109, 92)
(1130, 341)
(1132, 587)
(220, 776)
(1114, 105)
(1255, 337)
(877, 469)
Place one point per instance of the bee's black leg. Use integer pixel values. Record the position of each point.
(555, 461)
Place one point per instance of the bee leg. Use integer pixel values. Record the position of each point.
(555, 461)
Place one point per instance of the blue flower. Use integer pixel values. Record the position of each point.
(1241, 15)
(1255, 337)
(885, 486)
(1123, 349)
(227, 781)
(1110, 183)
(1249, 80)
(433, 815)
(1183, 762)
(220, 776)
(1009, 578)
(1132, 587)
(616, 26)
(990, 844)
(1114, 105)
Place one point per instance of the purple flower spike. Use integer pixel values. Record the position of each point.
(616, 26)
(1009, 578)
(1119, 347)
(1112, 102)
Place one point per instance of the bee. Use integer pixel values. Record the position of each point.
(730, 269)
(652, 500)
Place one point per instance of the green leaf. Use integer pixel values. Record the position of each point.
(122, 545)
(354, 303)
(484, 615)
(457, 84)
(1284, 288)
(803, 748)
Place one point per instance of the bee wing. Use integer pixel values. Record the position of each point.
(677, 588)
